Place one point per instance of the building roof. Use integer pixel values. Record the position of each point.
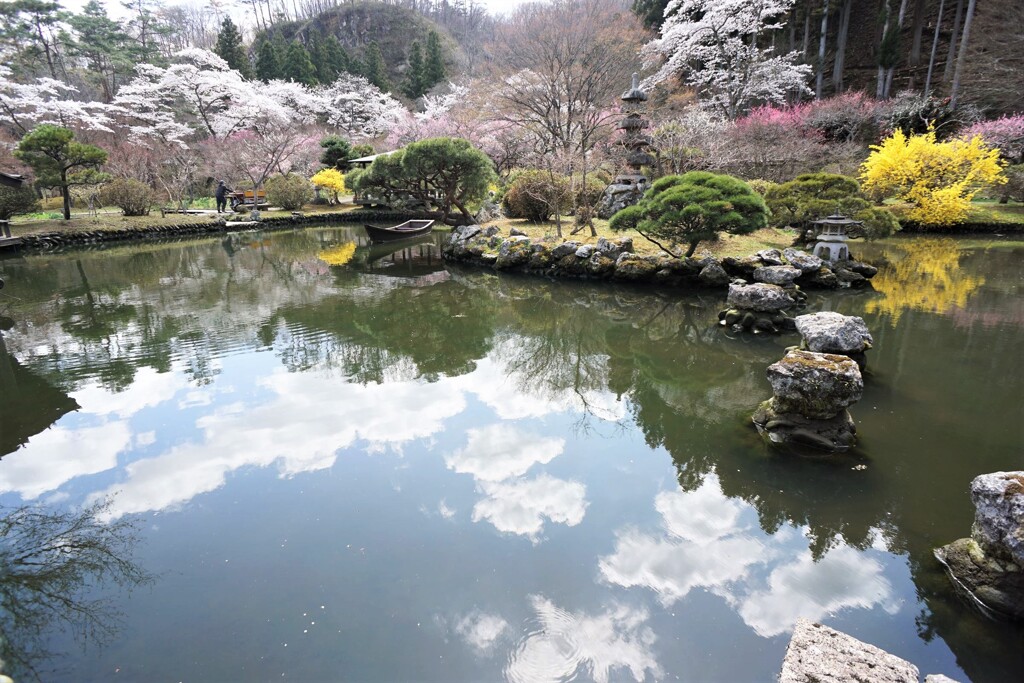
(11, 179)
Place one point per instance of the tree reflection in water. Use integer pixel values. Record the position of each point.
(53, 565)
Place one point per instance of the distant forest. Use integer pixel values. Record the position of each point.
(881, 47)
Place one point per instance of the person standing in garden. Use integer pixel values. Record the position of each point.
(222, 196)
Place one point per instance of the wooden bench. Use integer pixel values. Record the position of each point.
(247, 198)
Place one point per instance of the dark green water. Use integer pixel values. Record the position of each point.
(381, 470)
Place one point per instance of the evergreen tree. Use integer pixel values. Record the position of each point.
(298, 66)
(435, 72)
(317, 50)
(375, 70)
(650, 12)
(230, 48)
(417, 72)
(268, 61)
(59, 160)
(337, 58)
(337, 152)
(105, 47)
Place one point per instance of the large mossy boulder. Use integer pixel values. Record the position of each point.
(990, 564)
(811, 394)
(630, 267)
(815, 385)
(514, 252)
(759, 297)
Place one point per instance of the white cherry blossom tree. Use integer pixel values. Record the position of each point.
(24, 106)
(721, 48)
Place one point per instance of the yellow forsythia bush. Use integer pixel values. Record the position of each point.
(938, 178)
(332, 180)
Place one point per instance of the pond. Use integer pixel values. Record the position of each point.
(350, 464)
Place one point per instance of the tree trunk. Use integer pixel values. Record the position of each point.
(65, 192)
(807, 35)
(892, 69)
(915, 46)
(947, 74)
(844, 30)
(935, 49)
(962, 56)
(880, 85)
(821, 52)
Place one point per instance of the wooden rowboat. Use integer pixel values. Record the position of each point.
(399, 232)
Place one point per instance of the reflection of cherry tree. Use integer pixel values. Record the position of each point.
(50, 559)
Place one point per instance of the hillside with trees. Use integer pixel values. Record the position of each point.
(762, 90)
(394, 47)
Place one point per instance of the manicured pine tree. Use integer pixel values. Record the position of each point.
(298, 66)
(337, 152)
(375, 70)
(230, 48)
(435, 72)
(417, 72)
(268, 61)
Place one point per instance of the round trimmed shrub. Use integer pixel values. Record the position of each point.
(289, 191)
(16, 200)
(536, 195)
(133, 197)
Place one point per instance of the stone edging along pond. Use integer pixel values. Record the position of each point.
(58, 240)
(615, 260)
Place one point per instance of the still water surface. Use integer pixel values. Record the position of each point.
(349, 466)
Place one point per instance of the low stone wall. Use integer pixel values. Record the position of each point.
(58, 240)
(615, 260)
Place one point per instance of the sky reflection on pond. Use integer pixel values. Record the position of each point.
(473, 477)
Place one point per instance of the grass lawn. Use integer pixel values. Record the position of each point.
(110, 218)
(991, 211)
(728, 245)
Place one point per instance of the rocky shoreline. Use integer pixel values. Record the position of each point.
(615, 260)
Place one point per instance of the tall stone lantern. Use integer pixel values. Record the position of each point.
(629, 187)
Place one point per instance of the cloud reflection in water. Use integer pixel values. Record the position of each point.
(705, 544)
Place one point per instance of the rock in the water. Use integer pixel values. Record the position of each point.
(759, 297)
(802, 260)
(830, 332)
(824, 277)
(865, 269)
(834, 434)
(999, 515)
(989, 565)
(848, 278)
(713, 275)
(815, 385)
(819, 654)
(777, 275)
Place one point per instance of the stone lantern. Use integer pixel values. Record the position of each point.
(831, 237)
(629, 187)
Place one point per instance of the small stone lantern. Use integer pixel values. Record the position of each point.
(831, 239)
